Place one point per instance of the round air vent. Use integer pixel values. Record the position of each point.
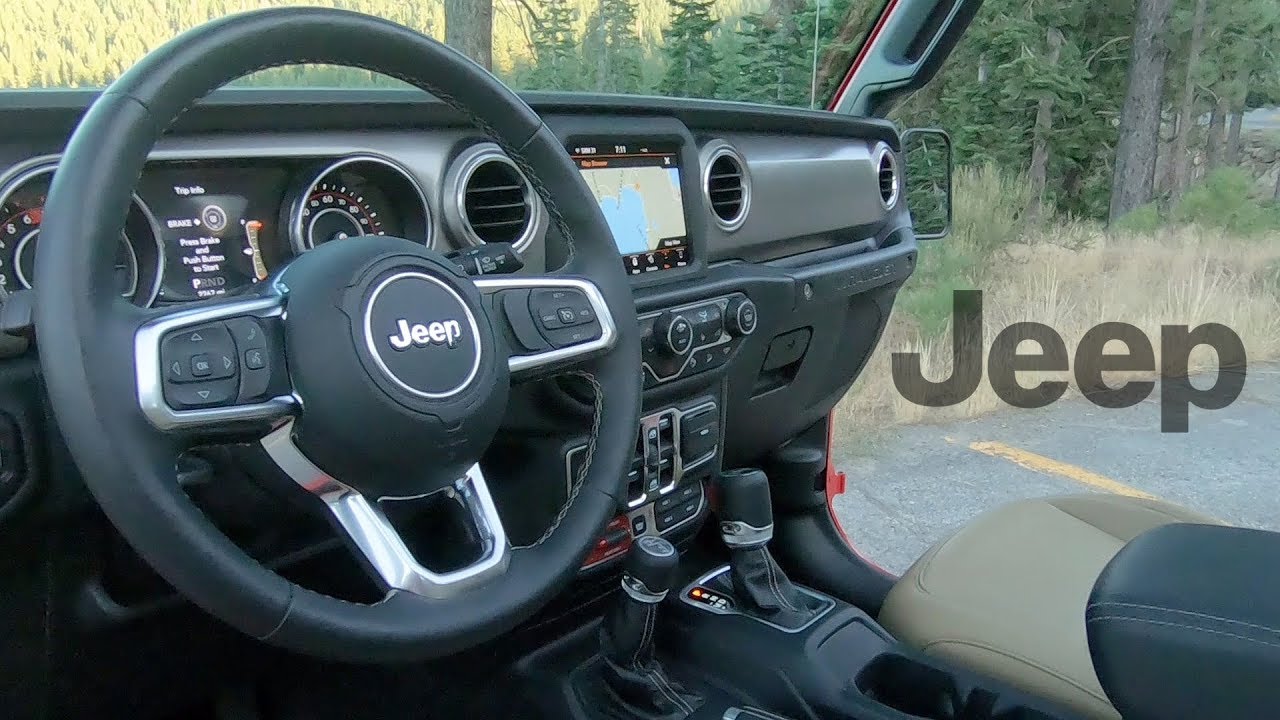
(493, 201)
(890, 183)
(726, 185)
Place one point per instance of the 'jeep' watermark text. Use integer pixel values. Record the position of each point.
(1177, 393)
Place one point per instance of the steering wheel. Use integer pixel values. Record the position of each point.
(369, 368)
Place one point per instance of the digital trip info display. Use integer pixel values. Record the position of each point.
(638, 189)
(215, 223)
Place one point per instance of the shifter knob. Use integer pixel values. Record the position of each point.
(649, 569)
(746, 512)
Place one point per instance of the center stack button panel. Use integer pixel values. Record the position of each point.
(695, 338)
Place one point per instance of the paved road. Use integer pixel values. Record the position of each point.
(913, 485)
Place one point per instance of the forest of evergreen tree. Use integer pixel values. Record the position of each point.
(1038, 88)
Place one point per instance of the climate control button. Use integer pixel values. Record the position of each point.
(674, 333)
(740, 316)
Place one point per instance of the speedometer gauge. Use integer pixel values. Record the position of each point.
(137, 272)
(359, 195)
(334, 211)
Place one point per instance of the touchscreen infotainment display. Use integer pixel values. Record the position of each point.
(638, 188)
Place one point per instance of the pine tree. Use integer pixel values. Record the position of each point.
(557, 62)
(1138, 143)
(690, 57)
(612, 48)
(774, 69)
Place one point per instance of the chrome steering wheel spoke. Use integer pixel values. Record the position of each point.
(551, 321)
(211, 367)
(383, 548)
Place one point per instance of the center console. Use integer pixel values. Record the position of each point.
(731, 340)
(742, 641)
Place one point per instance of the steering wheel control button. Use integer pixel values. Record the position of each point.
(201, 367)
(564, 316)
(222, 364)
(253, 348)
(201, 395)
(515, 306)
(741, 316)
(255, 359)
(565, 337)
(422, 335)
(550, 320)
(198, 354)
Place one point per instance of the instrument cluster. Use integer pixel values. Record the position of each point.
(202, 229)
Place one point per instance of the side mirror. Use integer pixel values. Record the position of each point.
(928, 178)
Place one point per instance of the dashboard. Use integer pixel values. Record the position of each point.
(764, 247)
(215, 213)
(762, 244)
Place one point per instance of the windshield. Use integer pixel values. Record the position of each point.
(783, 52)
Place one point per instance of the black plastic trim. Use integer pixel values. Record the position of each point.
(55, 112)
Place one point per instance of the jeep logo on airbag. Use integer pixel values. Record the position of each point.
(444, 332)
(421, 335)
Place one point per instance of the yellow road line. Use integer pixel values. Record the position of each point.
(1049, 466)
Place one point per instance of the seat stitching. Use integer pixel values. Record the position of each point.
(1015, 656)
(1184, 612)
(1173, 519)
(1185, 626)
(927, 559)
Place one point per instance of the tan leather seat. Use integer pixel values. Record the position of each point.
(1005, 595)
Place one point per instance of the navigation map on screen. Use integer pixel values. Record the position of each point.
(638, 189)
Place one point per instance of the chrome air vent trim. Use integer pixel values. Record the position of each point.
(513, 211)
(726, 184)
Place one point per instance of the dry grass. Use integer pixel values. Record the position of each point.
(1073, 277)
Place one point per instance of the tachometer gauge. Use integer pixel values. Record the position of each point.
(360, 195)
(21, 213)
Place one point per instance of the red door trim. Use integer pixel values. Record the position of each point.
(835, 485)
(872, 37)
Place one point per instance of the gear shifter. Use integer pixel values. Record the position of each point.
(746, 526)
(631, 670)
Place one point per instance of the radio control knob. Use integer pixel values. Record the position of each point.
(740, 316)
(674, 333)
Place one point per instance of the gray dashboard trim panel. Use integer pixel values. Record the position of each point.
(793, 179)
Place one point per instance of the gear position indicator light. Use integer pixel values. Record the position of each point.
(704, 596)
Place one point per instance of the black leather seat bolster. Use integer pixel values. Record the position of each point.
(1184, 622)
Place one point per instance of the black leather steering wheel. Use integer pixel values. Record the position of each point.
(385, 369)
